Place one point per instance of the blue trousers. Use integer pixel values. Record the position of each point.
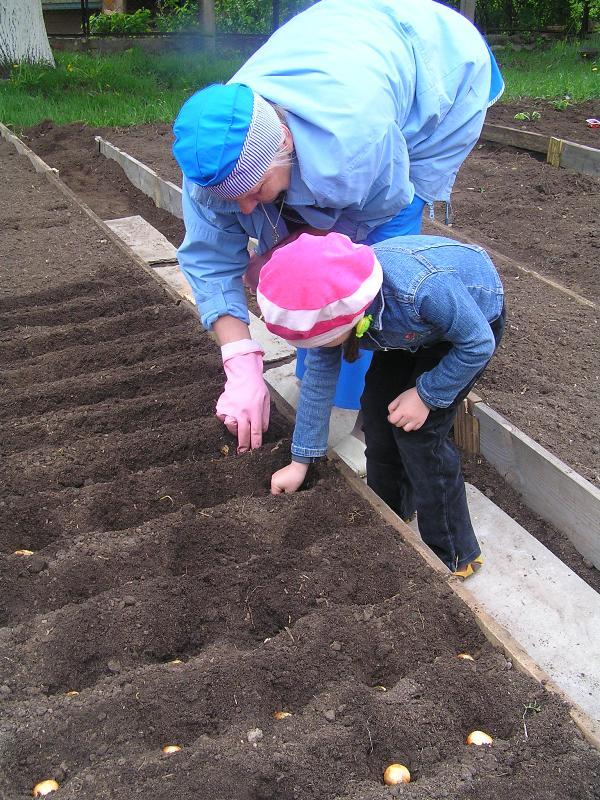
(420, 470)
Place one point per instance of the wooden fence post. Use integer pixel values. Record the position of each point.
(466, 425)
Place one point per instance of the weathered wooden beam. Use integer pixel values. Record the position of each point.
(526, 140)
(548, 486)
(580, 158)
(558, 152)
(466, 425)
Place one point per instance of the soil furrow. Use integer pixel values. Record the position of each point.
(30, 342)
(157, 408)
(112, 280)
(88, 359)
(119, 382)
(100, 458)
(85, 310)
(34, 520)
(72, 571)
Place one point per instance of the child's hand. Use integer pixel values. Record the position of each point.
(289, 478)
(408, 411)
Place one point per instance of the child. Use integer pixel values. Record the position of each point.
(432, 309)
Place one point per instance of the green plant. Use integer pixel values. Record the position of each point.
(124, 24)
(177, 15)
(528, 115)
(561, 105)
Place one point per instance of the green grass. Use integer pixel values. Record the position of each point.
(136, 87)
(551, 74)
(124, 89)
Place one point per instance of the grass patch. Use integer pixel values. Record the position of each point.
(136, 87)
(126, 89)
(551, 74)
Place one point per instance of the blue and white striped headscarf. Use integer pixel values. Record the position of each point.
(226, 138)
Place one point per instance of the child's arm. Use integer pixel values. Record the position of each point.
(443, 301)
(311, 431)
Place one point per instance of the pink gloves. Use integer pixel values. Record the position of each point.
(244, 405)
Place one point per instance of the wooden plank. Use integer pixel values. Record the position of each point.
(555, 147)
(514, 137)
(144, 239)
(580, 158)
(22, 149)
(164, 193)
(466, 425)
(548, 486)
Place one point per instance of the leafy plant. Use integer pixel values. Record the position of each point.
(528, 115)
(117, 23)
(561, 105)
(177, 15)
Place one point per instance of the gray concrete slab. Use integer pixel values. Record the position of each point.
(143, 238)
(547, 608)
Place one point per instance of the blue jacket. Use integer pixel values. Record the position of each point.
(434, 290)
(384, 98)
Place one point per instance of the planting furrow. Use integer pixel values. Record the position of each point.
(85, 310)
(195, 542)
(30, 342)
(209, 703)
(102, 458)
(111, 280)
(119, 382)
(87, 359)
(152, 410)
(34, 520)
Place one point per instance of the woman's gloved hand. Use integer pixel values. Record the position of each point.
(245, 404)
(289, 478)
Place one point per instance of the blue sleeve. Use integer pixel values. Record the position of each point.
(213, 257)
(443, 301)
(317, 393)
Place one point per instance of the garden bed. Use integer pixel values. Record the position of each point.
(524, 381)
(545, 378)
(551, 119)
(153, 542)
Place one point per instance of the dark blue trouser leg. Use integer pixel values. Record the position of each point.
(421, 469)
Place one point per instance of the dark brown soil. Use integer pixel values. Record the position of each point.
(545, 378)
(568, 123)
(522, 382)
(153, 541)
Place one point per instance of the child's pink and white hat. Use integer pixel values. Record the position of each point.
(316, 288)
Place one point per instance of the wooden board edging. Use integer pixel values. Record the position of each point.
(549, 487)
(22, 149)
(164, 193)
(559, 152)
(515, 137)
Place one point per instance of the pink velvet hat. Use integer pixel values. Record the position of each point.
(316, 288)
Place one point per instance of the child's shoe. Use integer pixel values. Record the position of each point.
(469, 569)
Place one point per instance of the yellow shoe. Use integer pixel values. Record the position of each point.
(470, 569)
